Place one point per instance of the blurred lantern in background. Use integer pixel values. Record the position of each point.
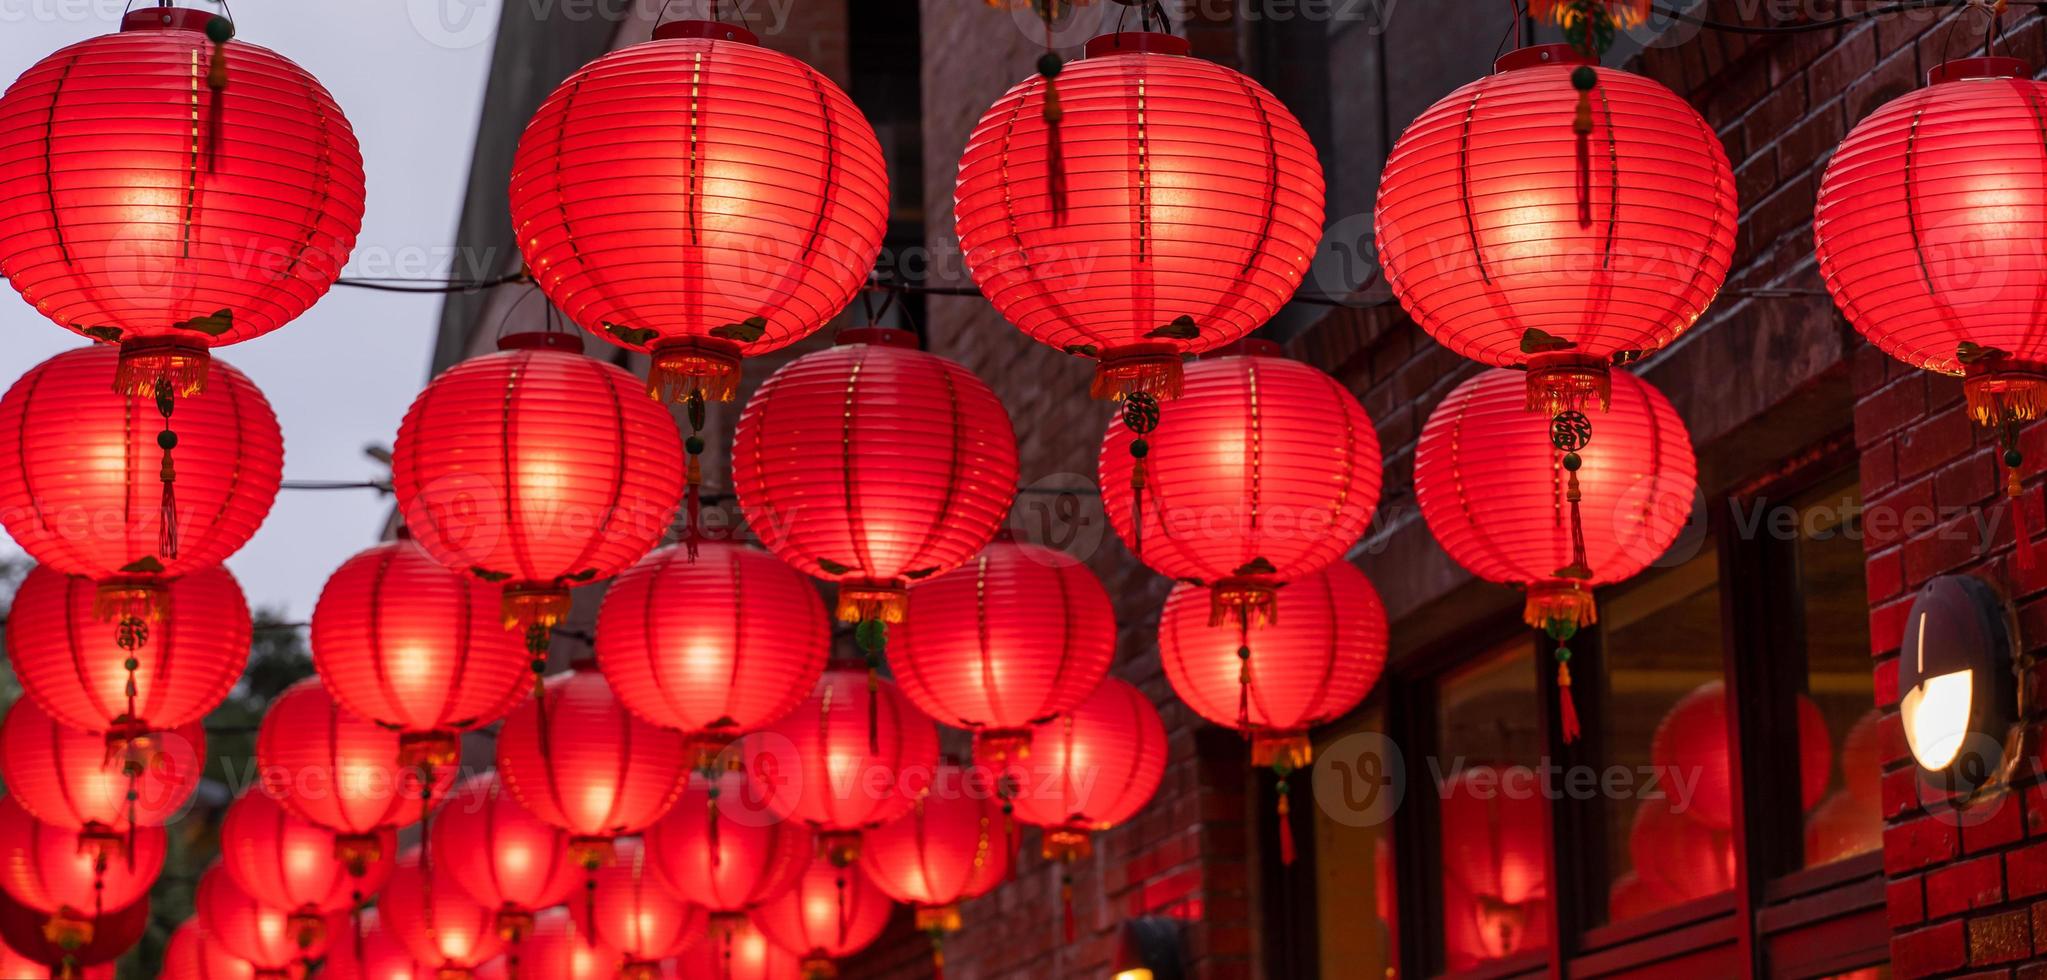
(341, 772)
(557, 949)
(631, 914)
(289, 864)
(70, 779)
(832, 913)
(738, 950)
(249, 930)
(71, 879)
(61, 953)
(727, 845)
(1144, 206)
(374, 953)
(1495, 864)
(502, 855)
(193, 955)
(1017, 634)
(953, 845)
(1692, 739)
(16, 964)
(715, 646)
(1680, 856)
(435, 920)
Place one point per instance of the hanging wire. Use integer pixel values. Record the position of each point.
(1516, 29)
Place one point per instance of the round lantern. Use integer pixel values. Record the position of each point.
(61, 874)
(1265, 470)
(267, 938)
(75, 669)
(1091, 769)
(953, 845)
(171, 208)
(1842, 826)
(506, 858)
(857, 752)
(374, 954)
(408, 643)
(715, 646)
(630, 913)
(286, 863)
(63, 953)
(833, 912)
(80, 488)
(577, 759)
(738, 950)
(1018, 634)
(1496, 864)
(874, 464)
(726, 846)
(1143, 206)
(341, 772)
(70, 779)
(558, 950)
(1863, 754)
(192, 954)
(1687, 857)
(1692, 738)
(1633, 895)
(1517, 240)
(536, 469)
(699, 198)
(435, 920)
(17, 964)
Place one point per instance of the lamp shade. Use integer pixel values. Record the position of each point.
(114, 932)
(557, 949)
(193, 955)
(833, 912)
(738, 950)
(288, 863)
(506, 858)
(952, 846)
(1691, 738)
(586, 764)
(843, 775)
(373, 954)
(434, 919)
(1491, 242)
(1172, 208)
(1496, 866)
(170, 194)
(339, 771)
(56, 871)
(71, 779)
(1092, 768)
(700, 198)
(726, 845)
(632, 914)
(267, 938)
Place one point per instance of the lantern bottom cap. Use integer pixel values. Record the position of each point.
(591, 852)
(938, 918)
(1559, 601)
(693, 367)
(840, 847)
(862, 600)
(1001, 744)
(1152, 369)
(148, 363)
(2004, 390)
(1067, 843)
(1559, 383)
(123, 598)
(513, 923)
(435, 748)
(1250, 600)
(529, 604)
(1275, 747)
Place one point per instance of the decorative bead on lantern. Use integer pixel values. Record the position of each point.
(78, 671)
(193, 955)
(630, 913)
(62, 953)
(746, 210)
(63, 875)
(727, 845)
(434, 919)
(715, 646)
(506, 858)
(249, 930)
(1522, 237)
(1691, 738)
(1146, 206)
(374, 953)
(1495, 859)
(86, 455)
(536, 469)
(341, 772)
(287, 863)
(169, 208)
(833, 912)
(955, 844)
(1265, 470)
(1017, 634)
(408, 643)
(738, 950)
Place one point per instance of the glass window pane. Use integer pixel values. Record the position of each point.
(1494, 819)
(1355, 892)
(1844, 815)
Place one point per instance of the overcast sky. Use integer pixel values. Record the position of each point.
(409, 74)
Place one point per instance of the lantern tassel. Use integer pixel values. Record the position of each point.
(872, 638)
(355, 906)
(840, 883)
(1244, 675)
(1066, 902)
(167, 515)
(711, 831)
(2024, 554)
(1140, 416)
(1562, 630)
(1581, 124)
(218, 30)
(937, 955)
(1049, 65)
(1286, 827)
(692, 519)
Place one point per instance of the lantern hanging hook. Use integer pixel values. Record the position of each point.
(1517, 28)
(225, 10)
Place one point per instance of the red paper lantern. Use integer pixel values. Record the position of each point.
(193, 955)
(75, 668)
(714, 646)
(408, 643)
(556, 949)
(1863, 754)
(435, 920)
(577, 759)
(1091, 769)
(874, 464)
(1842, 826)
(373, 953)
(954, 844)
(1691, 738)
(726, 845)
(699, 198)
(1495, 862)
(1265, 470)
(856, 754)
(26, 931)
(15, 964)
(268, 938)
(536, 468)
(1683, 856)
(69, 879)
(1633, 895)
(339, 771)
(1017, 634)
(630, 913)
(1171, 206)
(506, 858)
(1509, 249)
(286, 863)
(80, 488)
(1492, 486)
(143, 211)
(70, 779)
(833, 912)
(738, 950)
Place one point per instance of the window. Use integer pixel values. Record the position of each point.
(1493, 824)
(1355, 874)
(1845, 817)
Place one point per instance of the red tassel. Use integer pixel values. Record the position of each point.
(1567, 709)
(937, 957)
(1584, 129)
(1066, 902)
(873, 711)
(692, 515)
(2024, 556)
(1055, 154)
(1286, 828)
(167, 514)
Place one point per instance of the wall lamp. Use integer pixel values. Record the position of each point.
(1958, 675)
(1150, 950)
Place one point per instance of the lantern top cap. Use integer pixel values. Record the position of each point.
(167, 19)
(711, 29)
(878, 336)
(541, 340)
(1964, 69)
(1538, 55)
(1136, 42)
(1248, 347)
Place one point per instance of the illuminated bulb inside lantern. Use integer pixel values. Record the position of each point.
(597, 800)
(1936, 717)
(270, 925)
(516, 857)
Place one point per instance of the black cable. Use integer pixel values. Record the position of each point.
(1900, 7)
(431, 285)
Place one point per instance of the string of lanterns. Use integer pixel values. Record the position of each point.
(720, 791)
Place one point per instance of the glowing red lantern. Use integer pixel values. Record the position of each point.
(857, 751)
(1507, 253)
(77, 671)
(374, 954)
(748, 212)
(193, 955)
(70, 779)
(79, 489)
(714, 646)
(833, 912)
(16, 964)
(953, 845)
(341, 772)
(557, 949)
(1633, 895)
(286, 863)
(267, 938)
(738, 950)
(1017, 634)
(63, 953)
(1683, 855)
(60, 873)
(435, 920)
(1692, 738)
(1496, 864)
(201, 219)
(577, 759)
(630, 913)
(536, 468)
(1863, 754)
(1265, 470)
(506, 858)
(874, 464)
(408, 643)
(1171, 206)
(726, 845)
(1091, 769)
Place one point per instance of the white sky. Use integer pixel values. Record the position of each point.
(409, 74)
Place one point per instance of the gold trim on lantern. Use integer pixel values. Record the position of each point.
(1271, 747)
(819, 968)
(513, 923)
(996, 745)
(1151, 368)
(689, 366)
(527, 604)
(2001, 390)
(861, 601)
(435, 749)
(145, 362)
(1252, 599)
(1066, 844)
(68, 929)
(590, 852)
(308, 927)
(102, 842)
(938, 918)
(1559, 600)
(358, 851)
(146, 599)
(708, 752)
(638, 970)
(840, 847)
(1564, 382)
